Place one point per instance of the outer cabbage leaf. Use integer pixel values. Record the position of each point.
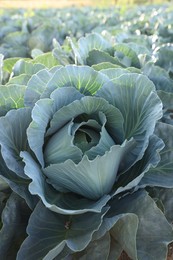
(25, 67)
(98, 56)
(83, 78)
(167, 100)
(164, 56)
(159, 76)
(9, 51)
(140, 48)
(16, 39)
(124, 232)
(19, 80)
(115, 249)
(114, 73)
(97, 249)
(36, 86)
(15, 219)
(120, 54)
(126, 55)
(17, 184)
(62, 56)
(11, 97)
(22, 72)
(134, 95)
(1, 66)
(13, 138)
(104, 65)
(154, 233)
(50, 232)
(9, 64)
(123, 229)
(163, 198)
(86, 44)
(46, 59)
(125, 214)
(131, 179)
(161, 175)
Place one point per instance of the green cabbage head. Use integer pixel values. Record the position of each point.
(82, 144)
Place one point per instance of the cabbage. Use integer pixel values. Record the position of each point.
(80, 149)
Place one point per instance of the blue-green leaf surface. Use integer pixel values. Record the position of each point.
(14, 218)
(43, 112)
(91, 179)
(24, 67)
(60, 147)
(105, 142)
(164, 56)
(17, 184)
(167, 100)
(97, 249)
(162, 175)
(83, 78)
(131, 178)
(49, 232)
(13, 138)
(22, 79)
(37, 128)
(158, 76)
(113, 73)
(126, 55)
(98, 56)
(154, 233)
(124, 232)
(36, 86)
(1, 66)
(63, 203)
(88, 43)
(104, 66)
(163, 198)
(90, 106)
(70, 142)
(61, 56)
(43, 83)
(134, 95)
(46, 59)
(122, 228)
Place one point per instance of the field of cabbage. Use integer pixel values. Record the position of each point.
(86, 133)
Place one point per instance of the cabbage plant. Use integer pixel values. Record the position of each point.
(81, 150)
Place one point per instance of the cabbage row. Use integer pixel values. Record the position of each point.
(86, 133)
